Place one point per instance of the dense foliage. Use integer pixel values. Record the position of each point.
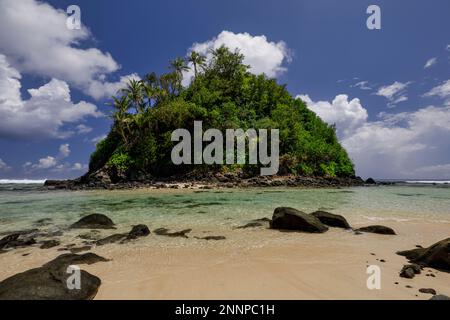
(223, 94)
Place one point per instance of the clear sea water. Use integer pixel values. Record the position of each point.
(21, 205)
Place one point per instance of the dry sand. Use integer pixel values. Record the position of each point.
(256, 263)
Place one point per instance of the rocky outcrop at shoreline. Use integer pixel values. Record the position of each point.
(100, 180)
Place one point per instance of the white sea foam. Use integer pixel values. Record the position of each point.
(429, 181)
(21, 181)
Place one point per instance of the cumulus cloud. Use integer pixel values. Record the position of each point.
(442, 90)
(4, 166)
(346, 115)
(55, 164)
(99, 89)
(395, 92)
(430, 62)
(34, 36)
(262, 55)
(83, 129)
(44, 114)
(64, 150)
(396, 145)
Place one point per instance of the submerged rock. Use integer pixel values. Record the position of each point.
(331, 219)
(377, 229)
(165, 232)
(291, 219)
(94, 221)
(436, 256)
(50, 282)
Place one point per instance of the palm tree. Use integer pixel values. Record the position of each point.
(135, 94)
(197, 60)
(178, 65)
(121, 116)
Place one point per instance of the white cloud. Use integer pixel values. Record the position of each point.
(363, 85)
(64, 150)
(442, 90)
(100, 89)
(83, 129)
(448, 47)
(395, 92)
(4, 166)
(430, 62)
(347, 115)
(34, 36)
(54, 164)
(44, 114)
(397, 145)
(262, 55)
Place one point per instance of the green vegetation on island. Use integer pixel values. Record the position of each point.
(224, 95)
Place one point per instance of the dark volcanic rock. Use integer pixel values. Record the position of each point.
(330, 219)
(436, 256)
(94, 221)
(428, 290)
(409, 271)
(16, 240)
(440, 297)
(370, 181)
(50, 282)
(79, 249)
(291, 219)
(141, 230)
(165, 232)
(250, 225)
(49, 244)
(377, 229)
(211, 238)
(111, 239)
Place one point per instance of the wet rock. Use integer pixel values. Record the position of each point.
(16, 240)
(409, 271)
(285, 218)
(140, 230)
(79, 249)
(165, 232)
(440, 297)
(436, 256)
(211, 238)
(94, 221)
(49, 282)
(331, 220)
(428, 290)
(49, 244)
(111, 239)
(370, 181)
(377, 229)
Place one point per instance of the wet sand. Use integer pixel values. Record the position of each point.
(256, 263)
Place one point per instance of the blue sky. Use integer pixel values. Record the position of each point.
(392, 113)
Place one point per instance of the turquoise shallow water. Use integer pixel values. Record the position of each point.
(21, 206)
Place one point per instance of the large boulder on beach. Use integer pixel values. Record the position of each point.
(286, 218)
(331, 219)
(436, 256)
(50, 282)
(377, 229)
(94, 221)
